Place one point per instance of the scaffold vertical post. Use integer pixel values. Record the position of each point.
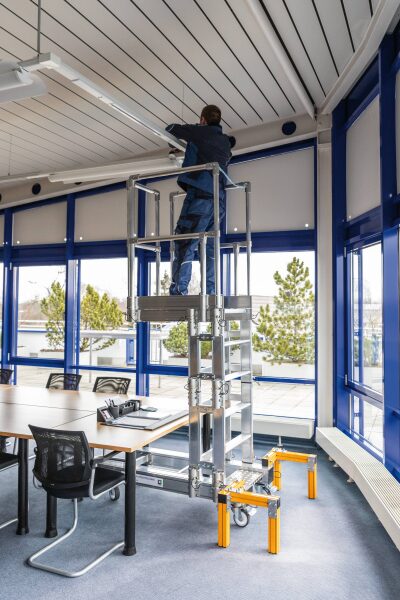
(248, 234)
(132, 200)
(217, 249)
(158, 245)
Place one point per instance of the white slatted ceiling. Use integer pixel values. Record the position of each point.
(169, 57)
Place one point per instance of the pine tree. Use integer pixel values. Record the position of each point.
(53, 307)
(177, 342)
(98, 312)
(165, 284)
(286, 333)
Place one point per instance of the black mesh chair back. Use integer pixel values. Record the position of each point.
(62, 458)
(112, 385)
(6, 375)
(63, 381)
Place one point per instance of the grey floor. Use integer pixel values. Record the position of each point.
(332, 548)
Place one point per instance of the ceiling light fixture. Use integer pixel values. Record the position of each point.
(127, 109)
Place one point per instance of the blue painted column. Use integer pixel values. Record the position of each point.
(142, 329)
(390, 246)
(71, 290)
(7, 316)
(340, 395)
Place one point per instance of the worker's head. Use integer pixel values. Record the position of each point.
(210, 115)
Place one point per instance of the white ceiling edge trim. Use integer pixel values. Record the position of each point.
(376, 30)
(55, 190)
(53, 62)
(281, 55)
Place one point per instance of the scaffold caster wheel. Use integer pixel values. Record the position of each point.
(114, 494)
(241, 517)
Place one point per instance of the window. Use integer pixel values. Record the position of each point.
(34, 376)
(366, 317)
(367, 422)
(284, 329)
(89, 377)
(169, 341)
(104, 338)
(41, 311)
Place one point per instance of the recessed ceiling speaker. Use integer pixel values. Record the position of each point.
(36, 189)
(289, 128)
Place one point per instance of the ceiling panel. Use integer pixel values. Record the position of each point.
(167, 58)
(278, 13)
(334, 23)
(359, 16)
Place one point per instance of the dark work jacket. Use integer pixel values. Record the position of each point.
(206, 144)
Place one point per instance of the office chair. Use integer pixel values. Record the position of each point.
(63, 381)
(5, 376)
(112, 385)
(7, 460)
(65, 468)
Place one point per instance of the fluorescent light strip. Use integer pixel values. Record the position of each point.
(52, 61)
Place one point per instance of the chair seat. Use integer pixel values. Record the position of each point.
(7, 460)
(104, 479)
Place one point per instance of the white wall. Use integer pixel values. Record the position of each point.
(282, 195)
(41, 225)
(363, 162)
(282, 192)
(101, 217)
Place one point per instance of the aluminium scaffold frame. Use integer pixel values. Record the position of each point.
(208, 469)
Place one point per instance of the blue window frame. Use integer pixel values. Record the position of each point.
(354, 400)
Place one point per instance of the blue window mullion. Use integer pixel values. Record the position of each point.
(390, 244)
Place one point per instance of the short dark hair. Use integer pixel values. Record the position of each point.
(211, 114)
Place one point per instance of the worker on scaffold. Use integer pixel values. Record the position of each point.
(206, 143)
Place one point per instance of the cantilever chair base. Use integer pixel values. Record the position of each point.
(6, 523)
(38, 565)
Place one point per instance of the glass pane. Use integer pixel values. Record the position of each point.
(284, 332)
(277, 399)
(169, 341)
(41, 311)
(366, 312)
(372, 317)
(89, 377)
(355, 270)
(373, 425)
(105, 339)
(34, 376)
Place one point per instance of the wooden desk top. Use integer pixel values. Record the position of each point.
(120, 438)
(77, 400)
(76, 411)
(15, 418)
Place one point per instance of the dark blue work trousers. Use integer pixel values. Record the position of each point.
(197, 215)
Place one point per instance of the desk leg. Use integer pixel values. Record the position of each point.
(51, 517)
(23, 507)
(130, 503)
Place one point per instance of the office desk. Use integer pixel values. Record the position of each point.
(57, 409)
